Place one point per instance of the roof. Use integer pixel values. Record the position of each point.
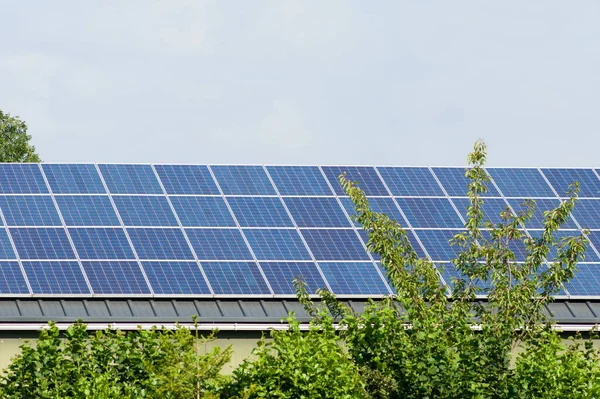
(225, 314)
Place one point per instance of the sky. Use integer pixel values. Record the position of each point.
(305, 82)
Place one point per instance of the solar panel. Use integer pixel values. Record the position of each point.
(377, 204)
(430, 212)
(249, 229)
(521, 182)
(299, 180)
(354, 278)
(366, 176)
(219, 244)
(29, 210)
(12, 280)
(130, 179)
(586, 281)
(160, 244)
(73, 179)
(176, 278)
(259, 212)
(436, 244)
(101, 243)
(55, 277)
(410, 182)
(38, 244)
(282, 274)
(145, 211)
(492, 208)
(87, 210)
(202, 212)
(541, 205)
(317, 212)
(587, 213)
(116, 277)
(231, 278)
(186, 179)
(22, 179)
(456, 184)
(561, 179)
(271, 244)
(243, 180)
(334, 244)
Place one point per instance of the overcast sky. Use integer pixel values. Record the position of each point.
(310, 82)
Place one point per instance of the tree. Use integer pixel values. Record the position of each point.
(14, 141)
(114, 364)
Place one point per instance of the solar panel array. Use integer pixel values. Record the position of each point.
(200, 230)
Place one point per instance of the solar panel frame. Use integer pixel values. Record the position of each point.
(29, 211)
(187, 179)
(87, 210)
(410, 181)
(299, 180)
(366, 176)
(73, 178)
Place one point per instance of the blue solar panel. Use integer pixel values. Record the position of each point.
(456, 184)
(101, 243)
(521, 182)
(379, 205)
(21, 210)
(159, 244)
(587, 213)
(202, 212)
(241, 278)
(22, 179)
(176, 278)
(586, 280)
(353, 278)
(115, 277)
(87, 210)
(73, 179)
(130, 179)
(145, 211)
(436, 243)
(541, 205)
(55, 278)
(11, 279)
(269, 244)
(516, 246)
(50, 243)
(219, 244)
(282, 274)
(366, 176)
(335, 244)
(430, 212)
(492, 208)
(561, 179)
(448, 271)
(299, 180)
(259, 212)
(243, 180)
(186, 179)
(317, 212)
(594, 237)
(410, 182)
(6, 249)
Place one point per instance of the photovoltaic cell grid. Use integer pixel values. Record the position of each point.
(35, 199)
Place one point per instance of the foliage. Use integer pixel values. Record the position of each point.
(113, 364)
(14, 141)
(296, 364)
(422, 344)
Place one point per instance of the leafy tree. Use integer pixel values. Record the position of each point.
(14, 141)
(422, 343)
(113, 364)
(296, 364)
